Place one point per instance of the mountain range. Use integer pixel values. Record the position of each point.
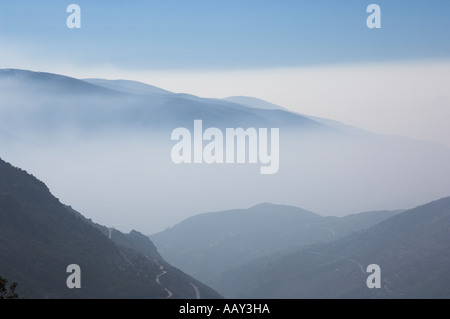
(92, 103)
(411, 248)
(117, 135)
(208, 245)
(267, 251)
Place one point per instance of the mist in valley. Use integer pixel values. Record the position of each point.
(108, 154)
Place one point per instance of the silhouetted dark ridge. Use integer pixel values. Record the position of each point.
(40, 237)
(14, 180)
(133, 240)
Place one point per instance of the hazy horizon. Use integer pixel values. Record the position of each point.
(314, 58)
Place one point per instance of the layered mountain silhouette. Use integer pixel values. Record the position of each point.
(40, 237)
(119, 132)
(411, 248)
(82, 136)
(210, 244)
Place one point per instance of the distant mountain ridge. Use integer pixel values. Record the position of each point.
(209, 244)
(120, 103)
(30, 82)
(127, 86)
(254, 103)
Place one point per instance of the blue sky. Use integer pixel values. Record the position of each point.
(201, 34)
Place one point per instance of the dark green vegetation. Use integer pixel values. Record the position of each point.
(40, 237)
(210, 244)
(7, 292)
(412, 249)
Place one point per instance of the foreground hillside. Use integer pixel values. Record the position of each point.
(40, 237)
